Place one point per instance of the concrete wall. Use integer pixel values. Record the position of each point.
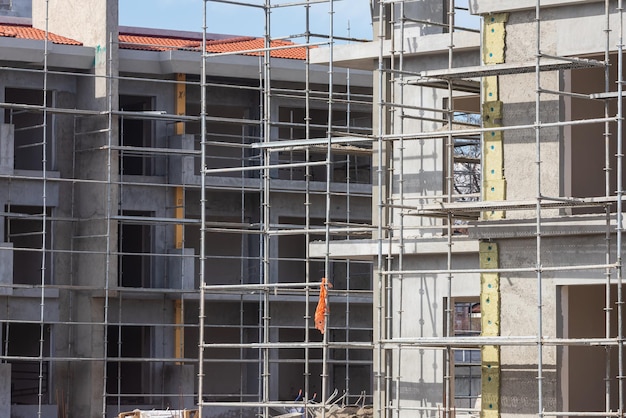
(419, 303)
(16, 8)
(587, 364)
(5, 390)
(91, 23)
(558, 178)
(560, 317)
(519, 109)
(86, 236)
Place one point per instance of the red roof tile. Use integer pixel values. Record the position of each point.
(235, 44)
(28, 32)
(286, 49)
(156, 43)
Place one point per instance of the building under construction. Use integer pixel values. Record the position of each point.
(425, 224)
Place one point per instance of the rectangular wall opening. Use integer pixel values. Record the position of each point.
(24, 229)
(466, 361)
(29, 129)
(349, 163)
(127, 378)
(583, 367)
(584, 144)
(23, 340)
(136, 132)
(135, 251)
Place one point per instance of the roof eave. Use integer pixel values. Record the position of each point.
(31, 51)
(499, 6)
(237, 66)
(365, 55)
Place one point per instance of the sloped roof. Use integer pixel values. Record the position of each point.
(156, 43)
(165, 42)
(28, 32)
(288, 49)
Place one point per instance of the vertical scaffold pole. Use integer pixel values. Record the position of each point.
(202, 208)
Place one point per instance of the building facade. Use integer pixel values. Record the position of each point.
(150, 218)
(503, 299)
(458, 181)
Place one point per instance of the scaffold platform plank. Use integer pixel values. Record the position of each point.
(545, 64)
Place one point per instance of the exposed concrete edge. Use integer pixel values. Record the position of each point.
(364, 56)
(31, 51)
(276, 185)
(236, 66)
(367, 249)
(526, 228)
(253, 295)
(498, 6)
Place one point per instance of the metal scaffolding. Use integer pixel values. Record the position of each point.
(181, 194)
(399, 272)
(257, 231)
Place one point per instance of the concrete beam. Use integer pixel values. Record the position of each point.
(368, 249)
(27, 189)
(364, 56)
(236, 66)
(498, 6)
(31, 51)
(526, 228)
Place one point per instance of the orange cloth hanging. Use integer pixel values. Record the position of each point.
(322, 309)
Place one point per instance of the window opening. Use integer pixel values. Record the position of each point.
(23, 228)
(135, 251)
(126, 377)
(28, 129)
(22, 340)
(467, 361)
(136, 132)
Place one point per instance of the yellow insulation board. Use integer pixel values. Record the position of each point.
(495, 190)
(490, 402)
(488, 253)
(494, 47)
(179, 211)
(490, 305)
(490, 89)
(490, 354)
(179, 334)
(494, 37)
(493, 214)
(180, 214)
(180, 102)
(490, 326)
(490, 282)
(494, 158)
(492, 114)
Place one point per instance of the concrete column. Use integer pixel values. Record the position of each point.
(181, 271)
(380, 362)
(180, 379)
(95, 24)
(5, 390)
(6, 268)
(181, 167)
(6, 148)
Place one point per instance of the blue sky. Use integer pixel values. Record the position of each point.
(244, 20)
